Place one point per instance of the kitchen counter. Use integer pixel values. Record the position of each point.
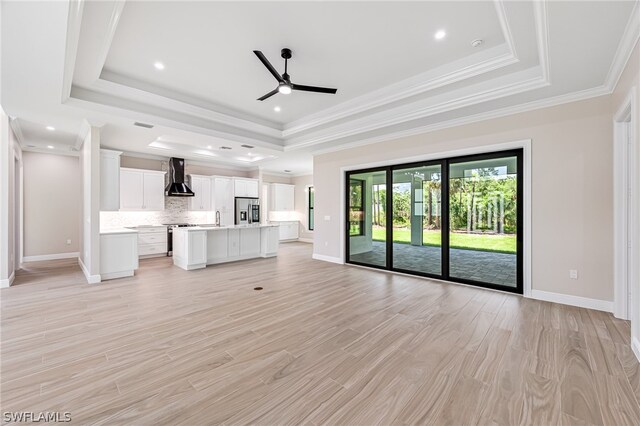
(108, 231)
(195, 247)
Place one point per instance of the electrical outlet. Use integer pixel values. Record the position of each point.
(573, 274)
(68, 242)
(327, 218)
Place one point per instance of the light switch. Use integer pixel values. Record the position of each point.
(573, 274)
(68, 242)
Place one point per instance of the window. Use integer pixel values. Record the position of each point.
(356, 207)
(310, 208)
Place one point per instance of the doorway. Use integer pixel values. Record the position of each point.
(626, 214)
(17, 212)
(458, 219)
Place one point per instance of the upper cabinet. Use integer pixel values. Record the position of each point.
(246, 187)
(222, 198)
(201, 187)
(282, 197)
(141, 189)
(109, 180)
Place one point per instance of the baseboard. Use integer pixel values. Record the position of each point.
(55, 256)
(91, 279)
(8, 281)
(566, 299)
(306, 240)
(327, 258)
(635, 347)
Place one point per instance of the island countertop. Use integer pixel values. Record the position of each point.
(108, 231)
(216, 228)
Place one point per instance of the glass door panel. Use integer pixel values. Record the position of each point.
(483, 215)
(417, 208)
(367, 218)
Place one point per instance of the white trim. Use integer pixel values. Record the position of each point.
(6, 283)
(17, 131)
(74, 25)
(327, 258)
(542, 36)
(524, 144)
(627, 43)
(623, 183)
(109, 33)
(91, 279)
(490, 115)
(566, 299)
(635, 347)
(306, 240)
(54, 256)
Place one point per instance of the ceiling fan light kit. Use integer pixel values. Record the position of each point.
(285, 86)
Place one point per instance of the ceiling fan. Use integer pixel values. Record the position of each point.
(285, 86)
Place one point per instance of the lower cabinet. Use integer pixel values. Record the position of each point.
(288, 231)
(234, 242)
(152, 241)
(118, 255)
(250, 242)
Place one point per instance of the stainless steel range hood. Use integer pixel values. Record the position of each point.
(177, 186)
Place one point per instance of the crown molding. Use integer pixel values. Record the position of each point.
(415, 111)
(542, 36)
(504, 24)
(627, 43)
(130, 91)
(114, 19)
(489, 115)
(17, 131)
(74, 24)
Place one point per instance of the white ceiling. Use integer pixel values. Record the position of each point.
(66, 62)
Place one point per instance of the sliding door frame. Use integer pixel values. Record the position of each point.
(445, 162)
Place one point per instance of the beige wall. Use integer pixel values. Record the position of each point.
(51, 203)
(267, 178)
(571, 188)
(302, 184)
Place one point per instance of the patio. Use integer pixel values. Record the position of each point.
(484, 266)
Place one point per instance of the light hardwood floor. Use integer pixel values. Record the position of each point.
(321, 344)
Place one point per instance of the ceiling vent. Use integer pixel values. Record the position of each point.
(145, 125)
(225, 147)
(248, 146)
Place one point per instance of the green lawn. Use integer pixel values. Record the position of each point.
(497, 243)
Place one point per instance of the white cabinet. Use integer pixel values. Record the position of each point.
(249, 242)
(288, 231)
(246, 187)
(269, 241)
(234, 243)
(222, 199)
(152, 241)
(109, 180)
(282, 197)
(141, 189)
(201, 187)
(118, 254)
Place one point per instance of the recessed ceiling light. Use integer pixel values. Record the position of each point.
(276, 109)
(249, 154)
(50, 146)
(50, 128)
(440, 35)
(159, 65)
(477, 42)
(209, 147)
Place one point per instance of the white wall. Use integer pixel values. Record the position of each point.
(51, 204)
(571, 188)
(90, 230)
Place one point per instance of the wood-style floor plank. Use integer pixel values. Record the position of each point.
(321, 344)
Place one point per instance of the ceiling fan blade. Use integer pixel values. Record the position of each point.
(268, 95)
(313, 89)
(267, 64)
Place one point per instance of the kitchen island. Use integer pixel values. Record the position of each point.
(196, 247)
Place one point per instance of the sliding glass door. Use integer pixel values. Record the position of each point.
(483, 220)
(458, 219)
(417, 219)
(367, 229)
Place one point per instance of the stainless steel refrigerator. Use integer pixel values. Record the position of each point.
(247, 211)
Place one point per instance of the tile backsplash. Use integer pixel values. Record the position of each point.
(175, 211)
